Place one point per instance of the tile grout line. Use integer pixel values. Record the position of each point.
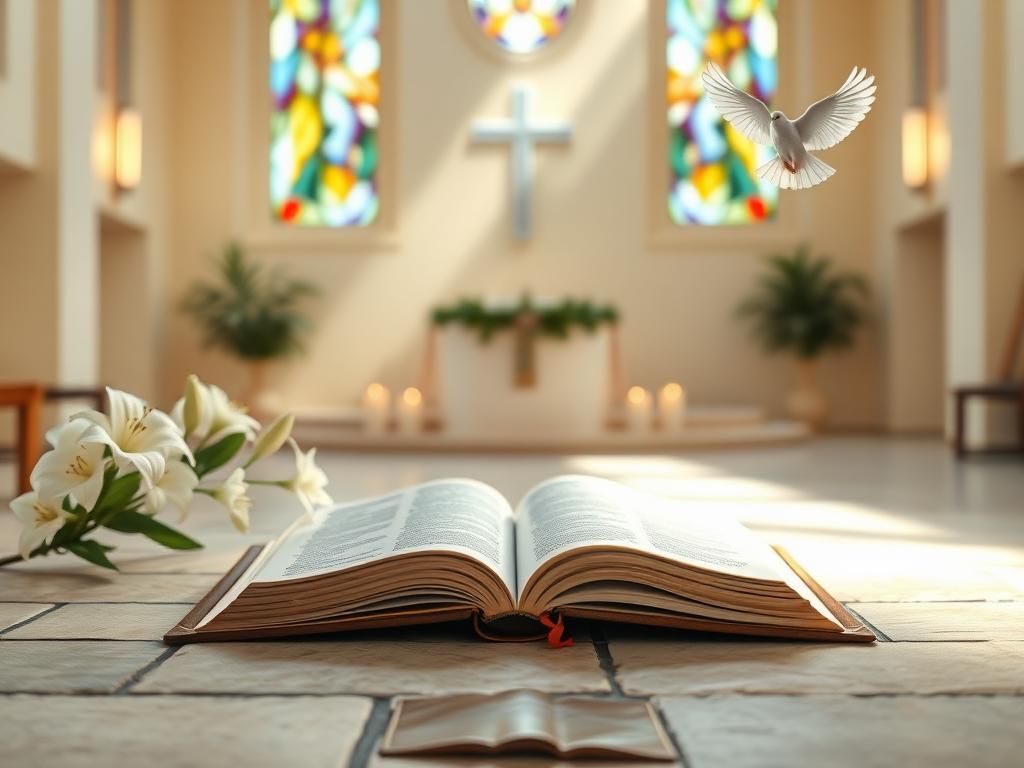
(605, 661)
(30, 619)
(604, 657)
(137, 676)
(373, 731)
(684, 760)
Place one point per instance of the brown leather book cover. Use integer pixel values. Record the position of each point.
(185, 630)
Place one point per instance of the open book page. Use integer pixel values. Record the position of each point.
(573, 511)
(462, 516)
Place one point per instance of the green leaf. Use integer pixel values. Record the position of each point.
(66, 532)
(117, 494)
(252, 311)
(92, 551)
(218, 454)
(802, 304)
(136, 522)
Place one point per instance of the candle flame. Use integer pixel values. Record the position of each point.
(672, 392)
(637, 395)
(377, 393)
(412, 396)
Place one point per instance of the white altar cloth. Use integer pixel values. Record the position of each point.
(478, 396)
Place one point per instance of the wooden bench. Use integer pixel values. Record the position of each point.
(28, 399)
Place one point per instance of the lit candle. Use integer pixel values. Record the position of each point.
(638, 404)
(410, 410)
(671, 405)
(377, 407)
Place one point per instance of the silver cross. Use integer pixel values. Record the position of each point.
(521, 134)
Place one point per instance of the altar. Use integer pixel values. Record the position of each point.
(533, 375)
(478, 395)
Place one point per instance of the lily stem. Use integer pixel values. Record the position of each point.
(10, 559)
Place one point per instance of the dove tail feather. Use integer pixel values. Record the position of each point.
(812, 172)
(771, 171)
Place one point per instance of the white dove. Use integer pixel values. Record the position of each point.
(823, 125)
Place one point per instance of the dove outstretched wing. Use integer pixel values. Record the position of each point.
(747, 113)
(829, 121)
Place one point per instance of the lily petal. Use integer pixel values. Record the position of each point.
(74, 466)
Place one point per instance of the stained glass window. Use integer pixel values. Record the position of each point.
(521, 26)
(325, 88)
(713, 176)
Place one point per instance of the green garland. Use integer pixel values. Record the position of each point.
(557, 321)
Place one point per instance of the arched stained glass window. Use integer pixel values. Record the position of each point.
(713, 179)
(325, 87)
(521, 26)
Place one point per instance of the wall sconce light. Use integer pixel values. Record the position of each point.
(915, 148)
(128, 149)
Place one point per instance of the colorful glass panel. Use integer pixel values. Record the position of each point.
(521, 26)
(713, 179)
(325, 88)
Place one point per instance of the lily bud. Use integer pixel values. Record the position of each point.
(194, 397)
(233, 494)
(272, 438)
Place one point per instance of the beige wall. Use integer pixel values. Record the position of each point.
(18, 83)
(949, 257)
(133, 236)
(1004, 195)
(1012, 34)
(81, 293)
(909, 239)
(590, 236)
(28, 224)
(1004, 190)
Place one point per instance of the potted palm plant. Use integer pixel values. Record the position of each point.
(802, 306)
(252, 313)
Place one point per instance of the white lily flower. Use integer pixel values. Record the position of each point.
(309, 480)
(207, 415)
(40, 518)
(176, 486)
(228, 418)
(73, 466)
(140, 437)
(272, 438)
(232, 494)
(53, 433)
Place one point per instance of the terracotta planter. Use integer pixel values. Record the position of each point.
(806, 403)
(260, 400)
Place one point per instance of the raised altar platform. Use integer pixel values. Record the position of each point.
(705, 427)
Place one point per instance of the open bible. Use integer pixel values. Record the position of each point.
(575, 547)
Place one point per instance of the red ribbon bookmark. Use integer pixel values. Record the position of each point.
(555, 631)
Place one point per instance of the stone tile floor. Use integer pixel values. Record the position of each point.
(930, 552)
